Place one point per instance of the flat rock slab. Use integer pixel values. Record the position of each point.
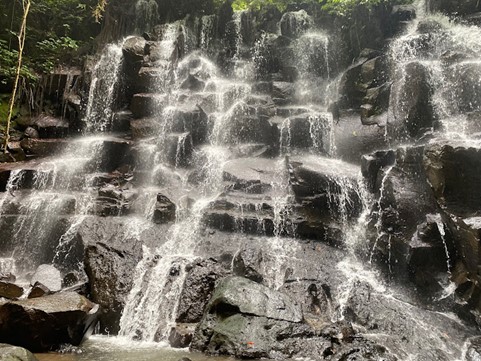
(313, 174)
(254, 175)
(45, 323)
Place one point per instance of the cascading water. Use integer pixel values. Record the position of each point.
(447, 54)
(240, 148)
(102, 93)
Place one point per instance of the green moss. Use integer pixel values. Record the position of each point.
(4, 100)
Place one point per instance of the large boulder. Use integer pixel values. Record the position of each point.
(198, 287)
(10, 290)
(246, 319)
(48, 276)
(110, 263)
(14, 353)
(45, 323)
(110, 273)
(402, 326)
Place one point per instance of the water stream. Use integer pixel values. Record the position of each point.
(214, 140)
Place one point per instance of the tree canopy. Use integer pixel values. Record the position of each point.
(56, 29)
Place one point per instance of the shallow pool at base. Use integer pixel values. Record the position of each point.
(100, 348)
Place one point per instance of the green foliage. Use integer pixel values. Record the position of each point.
(346, 7)
(53, 50)
(8, 60)
(56, 29)
(4, 99)
(338, 7)
(258, 4)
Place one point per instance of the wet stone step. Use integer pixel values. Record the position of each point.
(251, 175)
(23, 202)
(148, 104)
(51, 127)
(43, 147)
(233, 221)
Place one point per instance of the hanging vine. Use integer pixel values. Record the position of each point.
(21, 43)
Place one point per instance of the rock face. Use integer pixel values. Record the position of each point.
(233, 182)
(197, 290)
(14, 353)
(110, 273)
(43, 324)
(245, 319)
(413, 112)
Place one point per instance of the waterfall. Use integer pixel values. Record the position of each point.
(103, 87)
(448, 51)
(232, 150)
(146, 15)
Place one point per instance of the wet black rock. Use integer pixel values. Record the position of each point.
(313, 176)
(14, 353)
(246, 319)
(197, 290)
(50, 127)
(294, 24)
(411, 96)
(314, 297)
(473, 347)
(134, 49)
(110, 273)
(31, 133)
(147, 104)
(282, 92)
(38, 290)
(354, 138)
(10, 290)
(43, 147)
(454, 172)
(148, 79)
(462, 7)
(192, 83)
(179, 149)
(252, 175)
(43, 324)
(247, 263)
(181, 335)
(466, 89)
(164, 211)
(400, 212)
(121, 121)
(306, 130)
(381, 314)
(191, 118)
(109, 266)
(372, 163)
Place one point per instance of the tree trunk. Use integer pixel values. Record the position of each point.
(21, 44)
